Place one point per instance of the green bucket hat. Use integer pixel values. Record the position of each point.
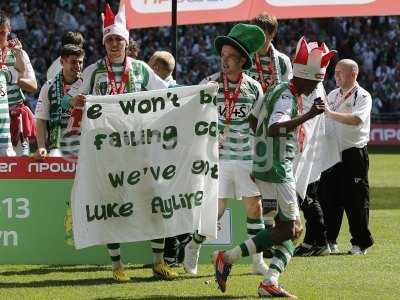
(245, 38)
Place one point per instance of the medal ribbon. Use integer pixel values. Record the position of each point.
(264, 83)
(111, 77)
(230, 98)
(3, 57)
(338, 103)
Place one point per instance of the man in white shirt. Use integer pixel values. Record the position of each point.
(345, 185)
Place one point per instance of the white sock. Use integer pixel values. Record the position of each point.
(117, 265)
(257, 258)
(251, 247)
(114, 253)
(194, 245)
(158, 257)
(272, 276)
(233, 255)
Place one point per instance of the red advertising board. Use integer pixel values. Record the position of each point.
(28, 168)
(385, 134)
(153, 13)
(59, 168)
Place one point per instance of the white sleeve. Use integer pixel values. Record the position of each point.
(362, 106)
(213, 77)
(54, 69)
(205, 80)
(14, 75)
(155, 82)
(282, 110)
(256, 109)
(332, 98)
(42, 110)
(29, 73)
(289, 70)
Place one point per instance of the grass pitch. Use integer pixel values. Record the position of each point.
(373, 276)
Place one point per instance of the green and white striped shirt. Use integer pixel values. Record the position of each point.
(15, 94)
(273, 156)
(282, 64)
(238, 142)
(141, 78)
(46, 107)
(5, 138)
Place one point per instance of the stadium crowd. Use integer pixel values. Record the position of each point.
(372, 41)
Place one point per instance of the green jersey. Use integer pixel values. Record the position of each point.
(96, 82)
(5, 139)
(273, 156)
(237, 136)
(53, 106)
(276, 62)
(15, 94)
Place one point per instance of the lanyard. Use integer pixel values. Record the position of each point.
(231, 97)
(111, 78)
(3, 57)
(301, 132)
(264, 83)
(338, 103)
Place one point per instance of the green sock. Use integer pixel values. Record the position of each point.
(263, 240)
(282, 255)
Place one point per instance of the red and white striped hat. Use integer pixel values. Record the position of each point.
(311, 60)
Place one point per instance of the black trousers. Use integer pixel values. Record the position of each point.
(345, 188)
(315, 226)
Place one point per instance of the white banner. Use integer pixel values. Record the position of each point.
(147, 167)
(321, 148)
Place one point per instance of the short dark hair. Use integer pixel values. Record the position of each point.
(4, 18)
(72, 37)
(71, 49)
(267, 23)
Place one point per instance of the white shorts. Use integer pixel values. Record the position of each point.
(234, 180)
(9, 151)
(55, 153)
(285, 195)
